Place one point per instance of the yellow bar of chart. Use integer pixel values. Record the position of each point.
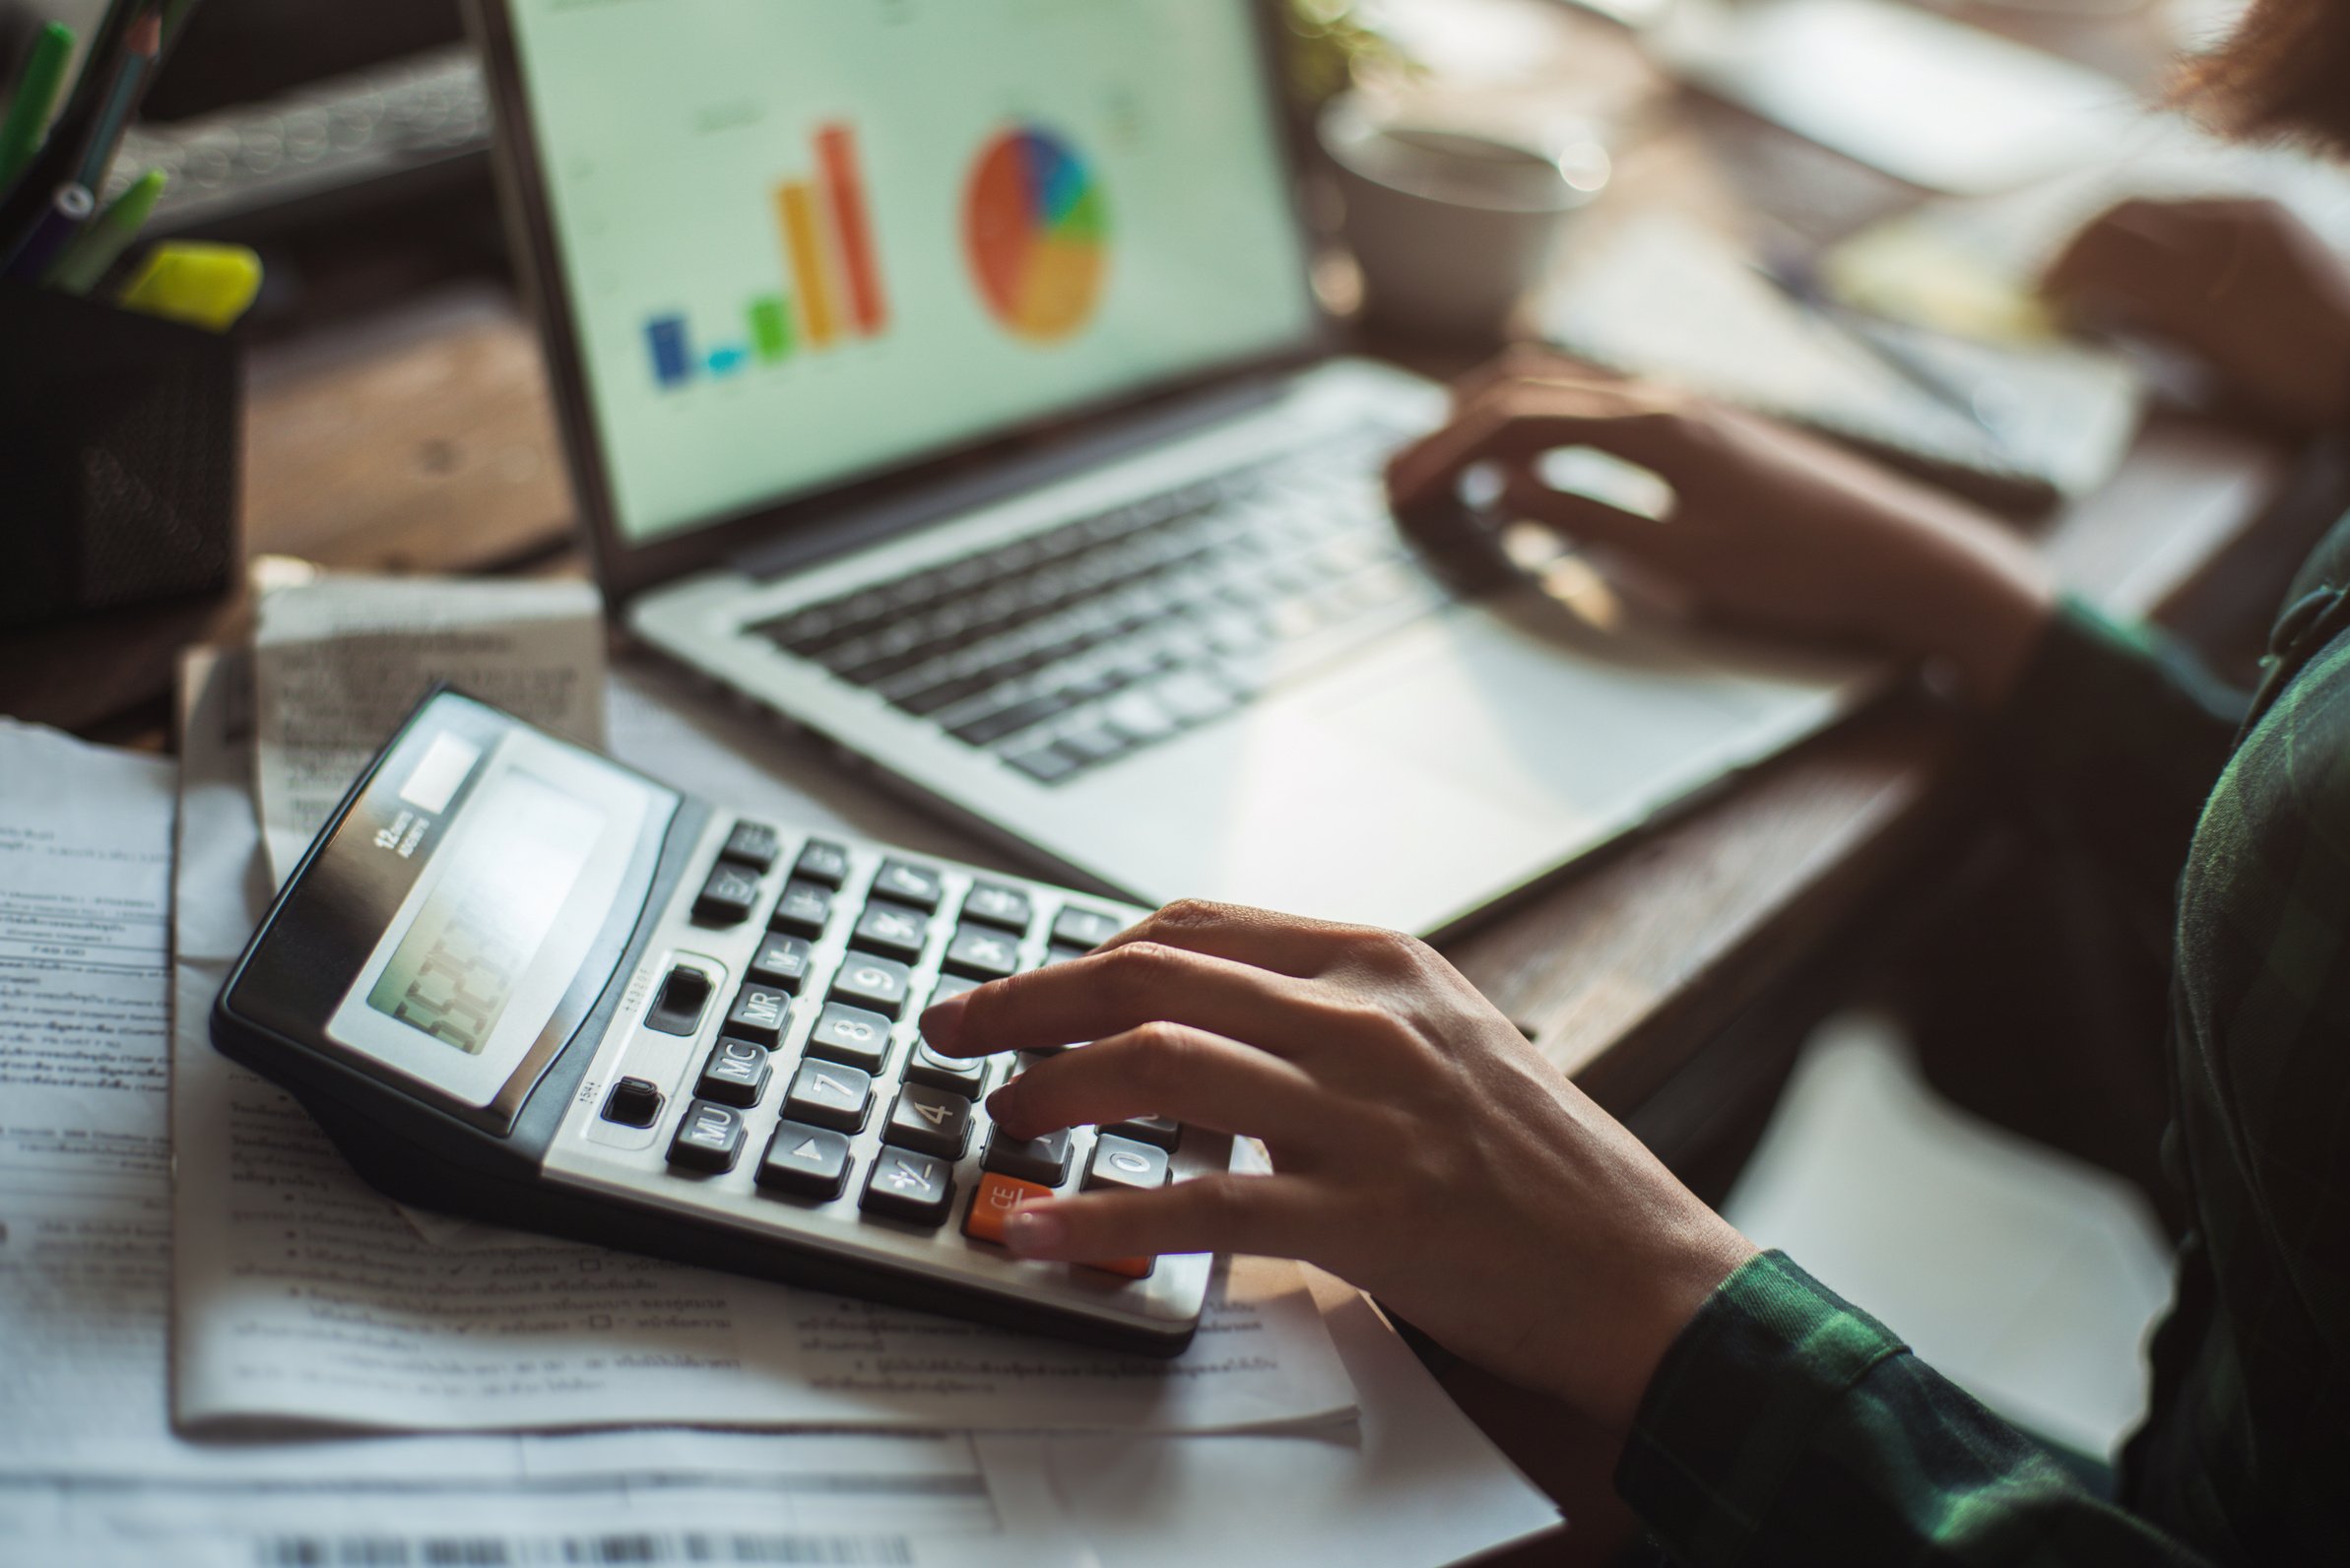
(796, 205)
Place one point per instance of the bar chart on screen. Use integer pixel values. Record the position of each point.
(830, 292)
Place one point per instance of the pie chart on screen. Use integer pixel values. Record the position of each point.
(1036, 233)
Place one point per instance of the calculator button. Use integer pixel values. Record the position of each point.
(892, 929)
(957, 1074)
(709, 1138)
(829, 1095)
(949, 985)
(1035, 1159)
(822, 862)
(1163, 1131)
(982, 954)
(909, 883)
(726, 898)
(929, 1121)
(1131, 1267)
(633, 1103)
(1123, 1162)
(802, 910)
(880, 984)
(1062, 952)
(805, 1161)
(734, 1074)
(781, 960)
(752, 844)
(851, 1037)
(908, 1186)
(992, 1203)
(760, 1012)
(1082, 928)
(1007, 907)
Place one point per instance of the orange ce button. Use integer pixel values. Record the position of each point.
(998, 1195)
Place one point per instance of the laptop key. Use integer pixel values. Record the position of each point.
(1092, 742)
(1047, 764)
(1010, 719)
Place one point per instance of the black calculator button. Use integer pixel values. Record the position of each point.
(633, 1103)
(982, 954)
(822, 862)
(829, 1095)
(909, 883)
(678, 1005)
(752, 844)
(802, 910)
(1123, 1162)
(853, 1036)
(929, 1121)
(805, 1161)
(957, 1074)
(1006, 907)
(726, 898)
(734, 1074)
(1062, 952)
(881, 984)
(1083, 928)
(891, 927)
(1042, 1161)
(1163, 1131)
(709, 1138)
(760, 1012)
(781, 960)
(911, 1187)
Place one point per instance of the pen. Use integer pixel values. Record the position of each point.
(36, 97)
(80, 266)
(66, 212)
(30, 203)
(142, 44)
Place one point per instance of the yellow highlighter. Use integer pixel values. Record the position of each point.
(205, 286)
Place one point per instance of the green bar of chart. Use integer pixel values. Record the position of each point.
(771, 328)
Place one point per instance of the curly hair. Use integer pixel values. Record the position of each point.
(2284, 73)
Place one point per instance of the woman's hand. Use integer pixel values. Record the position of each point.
(2242, 284)
(1769, 529)
(1421, 1148)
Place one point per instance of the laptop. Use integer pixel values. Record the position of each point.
(946, 379)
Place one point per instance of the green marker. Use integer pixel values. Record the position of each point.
(80, 266)
(36, 100)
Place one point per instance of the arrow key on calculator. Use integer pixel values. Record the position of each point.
(805, 1161)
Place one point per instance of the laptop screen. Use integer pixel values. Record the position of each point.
(808, 240)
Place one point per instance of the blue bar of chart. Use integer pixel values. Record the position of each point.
(672, 359)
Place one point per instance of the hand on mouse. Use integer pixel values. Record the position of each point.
(1421, 1148)
(1769, 528)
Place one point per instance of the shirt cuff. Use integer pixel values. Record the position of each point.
(1735, 1402)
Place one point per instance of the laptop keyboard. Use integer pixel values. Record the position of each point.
(1076, 648)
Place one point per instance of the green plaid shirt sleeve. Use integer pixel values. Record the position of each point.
(1787, 1427)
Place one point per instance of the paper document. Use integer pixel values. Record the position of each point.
(341, 661)
(303, 1296)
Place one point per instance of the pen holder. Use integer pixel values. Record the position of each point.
(120, 436)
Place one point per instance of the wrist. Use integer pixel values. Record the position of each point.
(1671, 1292)
(1984, 621)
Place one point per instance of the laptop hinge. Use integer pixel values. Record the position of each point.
(807, 543)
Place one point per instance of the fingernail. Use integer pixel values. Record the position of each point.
(1027, 1231)
(943, 1022)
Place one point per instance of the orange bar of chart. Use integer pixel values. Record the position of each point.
(803, 241)
(836, 147)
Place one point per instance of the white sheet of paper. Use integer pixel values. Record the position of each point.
(90, 1472)
(304, 1297)
(341, 661)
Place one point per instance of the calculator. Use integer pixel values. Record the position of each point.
(515, 981)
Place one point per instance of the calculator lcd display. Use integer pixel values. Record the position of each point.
(519, 853)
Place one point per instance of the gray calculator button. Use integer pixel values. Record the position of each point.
(805, 1161)
(781, 960)
(957, 1074)
(709, 1138)
(822, 862)
(760, 1014)
(929, 1121)
(891, 929)
(850, 1035)
(911, 1187)
(752, 844)
(909, 883)
(880, 984)
(829, 1095)
(1163, 1131)
(1043, 1160)
(1062, 952)
(1123, 1162)
(734, 1074)
(950, 985)
(1083, 928)
(726, 898)
(802, 910)
(982, 954)
(1006, 907)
